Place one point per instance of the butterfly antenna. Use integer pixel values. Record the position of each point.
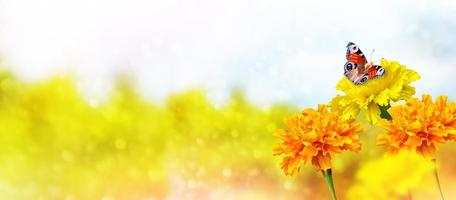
(370, 57)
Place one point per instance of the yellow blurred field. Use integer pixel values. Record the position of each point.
(54, 144)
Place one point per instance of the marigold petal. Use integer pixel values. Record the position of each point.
(322, 162)
(373, 113)
(391, 87)
(315, 136)
(419, 125)
(290, 165)
(309, 152)
(413, 141)
(407, 92)
(427, 150)
(441, 102)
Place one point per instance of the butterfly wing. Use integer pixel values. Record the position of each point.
(355, 66)
(357, 69)
(373, 71)
(355, 55)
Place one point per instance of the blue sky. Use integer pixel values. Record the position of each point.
(289, 51)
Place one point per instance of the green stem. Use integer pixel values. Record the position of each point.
(328, 177)
(384, 112)
(436, 175)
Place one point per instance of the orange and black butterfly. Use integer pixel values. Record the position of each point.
(357, 69)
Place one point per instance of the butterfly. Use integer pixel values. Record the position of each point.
(357, 69)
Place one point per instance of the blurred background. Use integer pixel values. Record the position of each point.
(179, 99)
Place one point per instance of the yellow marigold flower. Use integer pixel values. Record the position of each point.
(316, 136)
(392, 86)
(420, 125)
(390, 177)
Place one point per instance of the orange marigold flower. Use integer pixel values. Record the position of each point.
(316, 136)
(420, 125)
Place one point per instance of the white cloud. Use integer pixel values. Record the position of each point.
(277, 50)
